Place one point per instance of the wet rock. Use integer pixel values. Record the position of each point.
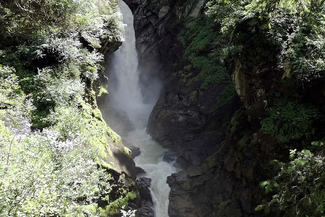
(163, 11)
(140, 171)
(169, 156)
(145, 211)
(146, 208)
(109, 46)
(135, 150)
(125, 162)
(188, 124)
(143, 184)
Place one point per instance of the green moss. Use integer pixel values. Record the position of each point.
(114, 207)
(206, 49)
(102, 91)
(113, 135)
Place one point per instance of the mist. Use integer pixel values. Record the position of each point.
(130, 97)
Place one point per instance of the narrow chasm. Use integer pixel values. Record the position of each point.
(127, 108)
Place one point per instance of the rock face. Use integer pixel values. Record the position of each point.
(156, 27)
(219, 187)
(155, 22)
(185, 120)
(146, 208)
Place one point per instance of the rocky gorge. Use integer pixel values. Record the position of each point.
(187, 108)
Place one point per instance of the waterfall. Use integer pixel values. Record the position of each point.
(126, 100)
(126, 96)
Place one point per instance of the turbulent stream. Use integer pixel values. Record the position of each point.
(128, 103)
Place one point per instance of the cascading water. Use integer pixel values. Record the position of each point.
(127, 100)
(126, 97)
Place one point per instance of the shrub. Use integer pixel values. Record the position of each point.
(296, 27)
(53, 172)
(298, 189)
(300, 38)
(36, 182)
(15, 107)
(21, 17)
(62, 90)
(289, 121)
(42, 174)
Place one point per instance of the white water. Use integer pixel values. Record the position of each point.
(125, 93)
(127, 100)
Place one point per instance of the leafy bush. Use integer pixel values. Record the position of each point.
(296, 27)
(62, 90)
(28, 17)
(21, 17)
(298, 189)
(40, 174)
(36, 182)
(300, 34)
(54, 172)
(226, 13)
(15, 106)
(289, 121)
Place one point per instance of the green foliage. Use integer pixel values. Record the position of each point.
(203, 50)
(115, 207)
(43, 176)
(295, 26)
(227, 13)
(52, 173)
(295, 29)
(15, 106)
(57, 60)
(21, 17)
(298, 189)
(289, 121)
(53, 141)
(300, 33)
(205, 47)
